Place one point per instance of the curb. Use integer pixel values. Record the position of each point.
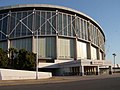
(58, 79)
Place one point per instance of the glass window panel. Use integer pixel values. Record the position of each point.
(18, 16)
(48, 47)
(0, 22)
(0, 16)
(15, 22)
(3, 36)
(30, 22)
(92, 32)
(3, 45)
(43, 23)
(0, 36)
(86, 30)
(53, 22)
(48, 29)
(60, 23)
(37, 19)
(53, 47)
(78, 27)
(93, 35)
(5, 24)
(93, 53)
(97, 36)
(69, 25)
(22, 44)
(73, 25)
(72, 44)
(82, 33)
(41, 49)
(65, 24)
(24, 29)
(82, 50)
(65, 48)
(18, 28)
(12, 23)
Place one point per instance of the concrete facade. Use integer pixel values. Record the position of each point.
(79, 67)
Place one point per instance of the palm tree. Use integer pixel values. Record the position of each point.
(12, 53)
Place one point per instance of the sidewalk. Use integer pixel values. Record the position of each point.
(58, 79)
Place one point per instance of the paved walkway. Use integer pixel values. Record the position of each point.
(57, 79)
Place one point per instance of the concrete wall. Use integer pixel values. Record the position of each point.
(9, 74)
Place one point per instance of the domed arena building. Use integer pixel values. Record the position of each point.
(67, 42)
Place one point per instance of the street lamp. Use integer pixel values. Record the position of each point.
(114, 60)
(37, 55)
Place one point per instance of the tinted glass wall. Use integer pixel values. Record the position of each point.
(25, 24)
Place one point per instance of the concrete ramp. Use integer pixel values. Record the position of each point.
(10, 74)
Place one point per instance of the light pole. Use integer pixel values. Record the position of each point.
(114, 60)
(37, 56)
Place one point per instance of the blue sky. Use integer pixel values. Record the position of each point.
(105, 12)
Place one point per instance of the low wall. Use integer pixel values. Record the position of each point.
(10, 74)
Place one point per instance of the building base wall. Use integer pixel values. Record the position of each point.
(9, 74)
(78, 67)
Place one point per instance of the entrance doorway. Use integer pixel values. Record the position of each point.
(75, 71)
(90, 70)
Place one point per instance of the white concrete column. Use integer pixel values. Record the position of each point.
(81, 70)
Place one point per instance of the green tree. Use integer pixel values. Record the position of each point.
(25, 60)
(3, 59)
(18, 60)
(30, 60)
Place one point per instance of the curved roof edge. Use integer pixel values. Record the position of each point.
(50, 6)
